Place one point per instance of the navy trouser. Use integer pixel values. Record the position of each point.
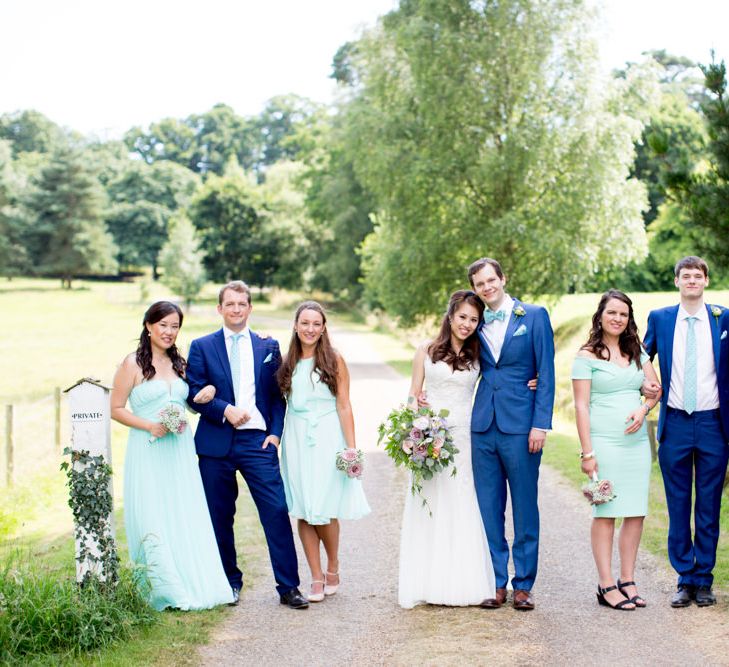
(499, 457)
(693, 445)
(260, 469)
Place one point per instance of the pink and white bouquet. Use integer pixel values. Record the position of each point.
(351, 462)
(172, 417)
(598, 491)
(420, 441)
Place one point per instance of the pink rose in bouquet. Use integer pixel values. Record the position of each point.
(351, 462)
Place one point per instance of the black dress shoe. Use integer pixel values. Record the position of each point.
(704, 596)
(236, 596)
(683, 596)
(294, 599)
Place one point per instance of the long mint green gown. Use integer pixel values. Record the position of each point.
(169, 531)
(315, 490)
(623, 459)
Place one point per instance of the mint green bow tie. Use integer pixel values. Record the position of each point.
(489, 316)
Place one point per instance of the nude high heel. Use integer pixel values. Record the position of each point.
(330, 589)
(316, 597)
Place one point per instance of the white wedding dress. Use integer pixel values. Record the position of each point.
(444, 558)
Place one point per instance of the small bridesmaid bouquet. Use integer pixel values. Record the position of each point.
(173, 419)
(351, 462)
(598, 491)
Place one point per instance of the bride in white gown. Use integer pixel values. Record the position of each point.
(444, 558)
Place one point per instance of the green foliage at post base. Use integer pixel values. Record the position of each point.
(44, 618)
(91, 502)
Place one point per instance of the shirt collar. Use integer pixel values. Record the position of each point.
(700, 315)
(245, 333)
(507, 305)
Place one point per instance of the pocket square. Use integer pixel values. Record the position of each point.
(268, 358)
(723, 335)
(521, 330)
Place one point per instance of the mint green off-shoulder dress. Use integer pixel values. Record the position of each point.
(623, 459)
(169, 531)
(315, 490)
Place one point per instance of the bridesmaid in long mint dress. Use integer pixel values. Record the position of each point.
(607, 377)
(168, 526)
(319, 423)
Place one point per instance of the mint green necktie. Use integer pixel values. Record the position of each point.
(689, 378)
(235, 363)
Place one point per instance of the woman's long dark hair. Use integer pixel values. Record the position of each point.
(156, 312)
(326, 362)
(629, 341)
(441, 348)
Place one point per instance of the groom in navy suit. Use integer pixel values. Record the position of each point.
(240, 430)
(509, 426)
(693, 426)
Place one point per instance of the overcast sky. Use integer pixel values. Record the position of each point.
(102, 66)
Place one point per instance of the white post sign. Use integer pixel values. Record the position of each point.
(90, 431)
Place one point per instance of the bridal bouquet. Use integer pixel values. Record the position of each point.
(598, 491)
(351, 462)
(420, 441)
(172, 417)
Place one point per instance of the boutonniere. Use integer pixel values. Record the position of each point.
(716, 312)
(519, 312)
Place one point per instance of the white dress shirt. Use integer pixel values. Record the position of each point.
(495, 332)
(707, 391)
(247, 387)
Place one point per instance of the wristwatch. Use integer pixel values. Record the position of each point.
(589, 455)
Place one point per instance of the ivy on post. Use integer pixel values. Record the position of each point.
(90, 482)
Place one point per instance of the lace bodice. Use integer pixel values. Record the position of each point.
(450, 389)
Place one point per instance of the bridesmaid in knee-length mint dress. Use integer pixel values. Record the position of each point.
(624, 459)
(315, 490)
(166, 517)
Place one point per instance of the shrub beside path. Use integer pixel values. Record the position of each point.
(363, 625)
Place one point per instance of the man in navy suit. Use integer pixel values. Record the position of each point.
(693, 440)
(509, 426)
(240, 430)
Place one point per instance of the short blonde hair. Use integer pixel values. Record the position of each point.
(236, 286)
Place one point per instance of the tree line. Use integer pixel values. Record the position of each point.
(460, 129)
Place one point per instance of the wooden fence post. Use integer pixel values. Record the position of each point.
(9, 445)
(57, 404)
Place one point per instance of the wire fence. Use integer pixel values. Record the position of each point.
(34, 436)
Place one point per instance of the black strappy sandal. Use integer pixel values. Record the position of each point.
(636, 599)
(620, 606)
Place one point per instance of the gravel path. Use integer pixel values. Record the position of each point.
(362, 624)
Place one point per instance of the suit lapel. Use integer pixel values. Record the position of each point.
(669, 331)
(222, 351)
(258, 349)
(715, 336)
(511, 327)
(485, 345)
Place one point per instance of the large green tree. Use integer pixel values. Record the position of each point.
(67, 235)
(234, 234)
(704, 190)
(13, 255)
(485, 129)
(31, 132)
(182, 261)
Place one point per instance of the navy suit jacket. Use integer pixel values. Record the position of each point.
(503, 394)
(723, 371)
(659, 340)
(208, 364)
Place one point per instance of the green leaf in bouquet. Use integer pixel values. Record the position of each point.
(429, 462)
(444, 413)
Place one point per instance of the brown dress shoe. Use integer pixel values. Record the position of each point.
(523, 600)
(495, 602)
